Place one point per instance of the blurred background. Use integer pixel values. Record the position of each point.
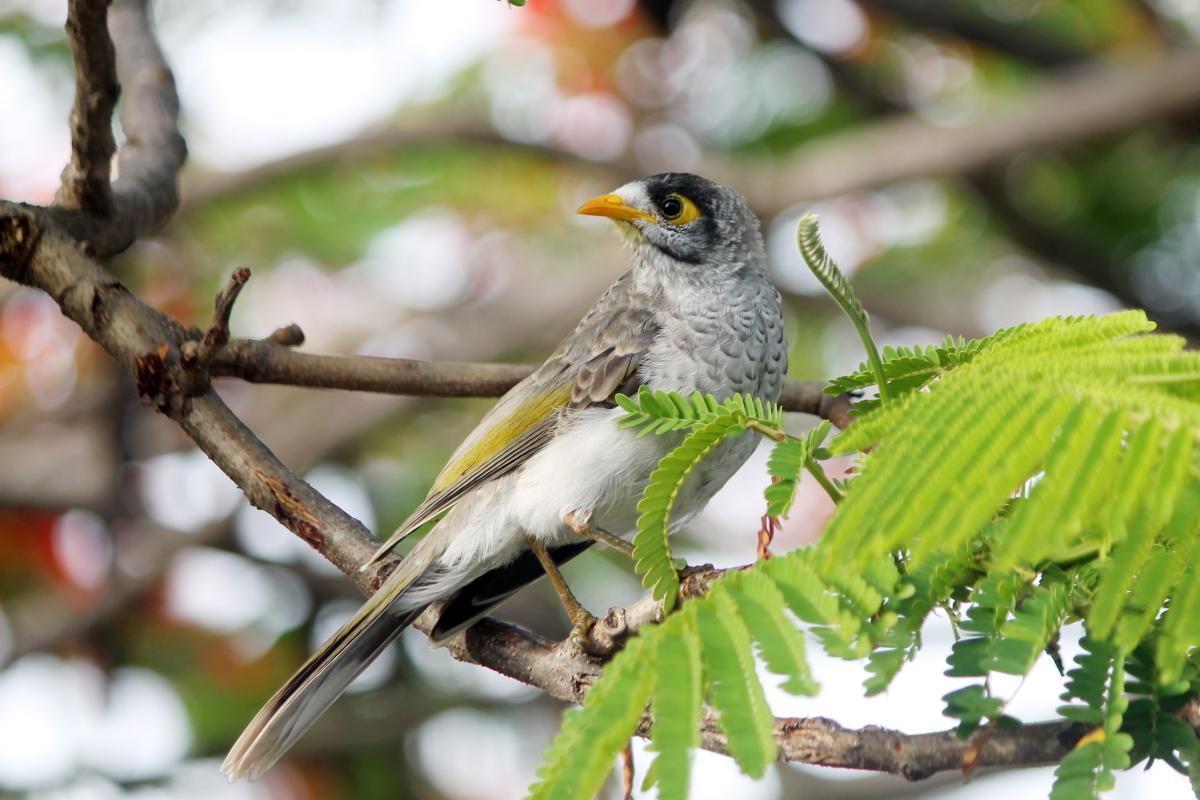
(400, 176)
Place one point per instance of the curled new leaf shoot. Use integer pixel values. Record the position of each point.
(834, 280)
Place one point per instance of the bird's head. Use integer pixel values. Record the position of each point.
(687, 218)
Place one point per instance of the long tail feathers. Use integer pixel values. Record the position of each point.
(323, 678)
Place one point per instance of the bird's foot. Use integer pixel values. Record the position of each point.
(688, 575)
(582, 624)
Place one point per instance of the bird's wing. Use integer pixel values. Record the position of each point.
(600, 358)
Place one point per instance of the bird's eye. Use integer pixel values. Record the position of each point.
(678, 210)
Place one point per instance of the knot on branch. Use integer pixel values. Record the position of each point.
(609, 634)
(19, 233)
(156, 376)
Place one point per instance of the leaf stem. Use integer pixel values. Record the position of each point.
(766, 430)
(814, 469)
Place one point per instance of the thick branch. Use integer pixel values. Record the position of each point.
(1025, 41)
(1084, 104)
(823, 742)
(146, 343)
(1071, 107)
(149, 161)
(85, 180)
(145, 193)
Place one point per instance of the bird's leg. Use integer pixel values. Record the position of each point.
(579, 522)
(581, 620)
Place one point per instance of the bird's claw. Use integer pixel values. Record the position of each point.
(686, 573)
(581, 629)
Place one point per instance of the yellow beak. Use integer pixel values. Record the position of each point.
(613, 207)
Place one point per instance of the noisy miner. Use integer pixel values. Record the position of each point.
(548, 472)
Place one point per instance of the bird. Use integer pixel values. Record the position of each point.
(548, 472)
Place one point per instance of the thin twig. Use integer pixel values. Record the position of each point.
(197, 355)
(267, 361)
(627, 771)
(218, 333)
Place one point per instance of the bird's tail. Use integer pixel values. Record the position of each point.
(323, 678)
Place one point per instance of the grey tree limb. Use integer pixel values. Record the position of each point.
(145, 195)
(1071, 107)
(268, 361)
(85, 179)
(1024, 41)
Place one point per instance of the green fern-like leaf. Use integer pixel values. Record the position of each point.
(1180, 630)
(1042, 475)
(1075, 775)
(1024, 637)
(1079, 473)
(651, 550)
(678, 693)
(736, 693)
(947, 459)
(910, 368)
(582, 754)
(1088, 680)
(1088, 769)
(780, 642)
(971, 705)
(785, 465)
(662, 412)
(1152, 719)
(1136, 555)
(788, 460)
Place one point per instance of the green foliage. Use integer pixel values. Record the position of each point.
(1050, 401)
(651, 550)
(1044, 476)
(787, 461)
(678, 696)
(582, 753)
(1152, 718)
(1088, 769)
(710, 424)
(704, 652)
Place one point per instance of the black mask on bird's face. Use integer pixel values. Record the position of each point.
(685, 217)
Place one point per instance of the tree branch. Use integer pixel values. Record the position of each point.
(144, 197)
(1072, 107)
(1024, 41)
(1076, 106)
(267, 361)
(85, 180)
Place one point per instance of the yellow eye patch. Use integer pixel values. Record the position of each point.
(678, 210)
